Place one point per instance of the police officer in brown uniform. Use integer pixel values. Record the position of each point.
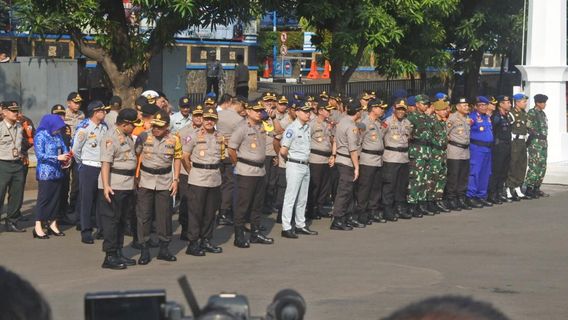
(321, 160)
(395, 163)
(229, 120)
(247, 149)
(158, 150)
(347, 140)
(73, 115)
(183, 187)
(369, 184)
(458, 127)
(117, 186)
(202, 152)
(269, 101)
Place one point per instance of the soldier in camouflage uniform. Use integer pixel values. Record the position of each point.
(438, 167)
(537, 147)
(420, 153)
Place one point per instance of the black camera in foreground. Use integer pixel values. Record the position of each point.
(152, 305)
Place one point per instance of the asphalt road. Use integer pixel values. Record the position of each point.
(514, 256)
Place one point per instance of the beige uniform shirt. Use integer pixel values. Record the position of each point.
(458, 131)
(347, 138)
(118, 150)
(204, 148)
(110, 120)
(184, 134)
(72, 119)
(10, 141)
(228, 122)
(284, 122)
(397, 134)
(321, 140)
(157, 154)
(250, 143)
(371, 140)
(270, 141)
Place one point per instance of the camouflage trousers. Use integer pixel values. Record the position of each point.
(438, 174)
(537, 151)
(419, 176)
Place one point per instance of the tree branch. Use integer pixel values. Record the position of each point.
(351, 69)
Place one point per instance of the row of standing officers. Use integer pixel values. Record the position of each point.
(295, 157)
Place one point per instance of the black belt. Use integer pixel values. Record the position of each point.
(441, 148)
(124, 172)
(375, 152)
(251, 163)
(482, 143)
(297, 161)
(421, 142)
(205, 166)
(12, 161)
(397, 149)
(156, 171)
(343, 155)
(459, 145)
(502, 141)
(321, 153)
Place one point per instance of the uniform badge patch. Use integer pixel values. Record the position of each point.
(289, 133)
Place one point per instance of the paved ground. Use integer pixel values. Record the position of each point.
(513, 256)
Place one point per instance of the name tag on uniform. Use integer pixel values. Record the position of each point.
(15, 153)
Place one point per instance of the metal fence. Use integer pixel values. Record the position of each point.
(384, 88)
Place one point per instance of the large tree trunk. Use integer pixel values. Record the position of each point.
(471, 83)
(124, 83)
(336, 76)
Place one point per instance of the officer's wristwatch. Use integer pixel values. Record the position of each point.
(176, 179)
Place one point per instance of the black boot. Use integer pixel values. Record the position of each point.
(414, 212)
(338, 223)
(314, 214)
(127, 261)
(144, 254)
(351, 221)
(194, 249)
(484, 202)
(258, 237)
(423, 208)
(389, 214)
(432, 207)
(453, 204)
(472, 202)
(240, 239)
(165, 253)
(377, 216)
(462, 203)
(112, 261)
(530, 193)
(208, 247)
(224, 218)
(541, 193)
(441, 204)
(366, 218)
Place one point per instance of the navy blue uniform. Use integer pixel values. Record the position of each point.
(481, 141)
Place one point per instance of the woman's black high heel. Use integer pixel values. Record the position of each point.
(53, 233)
(37, 236)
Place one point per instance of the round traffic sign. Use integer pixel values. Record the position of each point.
(283, 50)
(283, 37)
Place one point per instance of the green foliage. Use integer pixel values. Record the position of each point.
(266, 40)
(347, 28)
(121, 37)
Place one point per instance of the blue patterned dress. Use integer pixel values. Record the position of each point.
(47, 147)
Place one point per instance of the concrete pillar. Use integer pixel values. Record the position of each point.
(546, 71)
